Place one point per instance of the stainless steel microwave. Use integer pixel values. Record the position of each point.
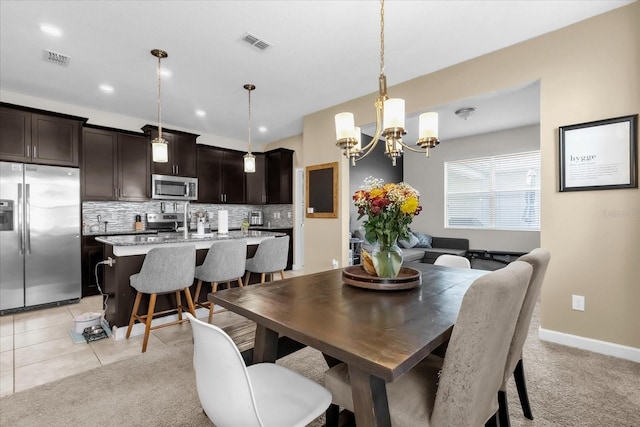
(167, 187)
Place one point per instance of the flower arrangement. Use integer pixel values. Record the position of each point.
(390, 208)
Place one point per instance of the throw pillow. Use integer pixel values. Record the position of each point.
(409, 243)
(424, 240)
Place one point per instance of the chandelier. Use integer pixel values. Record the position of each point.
(389, 122)
(159, 146)
(249, 159)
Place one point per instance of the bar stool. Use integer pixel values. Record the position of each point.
(271, 257)
(225, 261)
(164, 270)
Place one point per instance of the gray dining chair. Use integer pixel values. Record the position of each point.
(260, 395)
(270, 258)
(539, 260)
(462, 388)
(448, 260)
(164, 270)
(224, 263)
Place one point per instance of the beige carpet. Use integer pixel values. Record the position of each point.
(567, 387)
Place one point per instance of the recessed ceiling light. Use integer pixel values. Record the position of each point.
(262, 129)
(165, 73)
(51, 30)
(106, 88)
(201, 113)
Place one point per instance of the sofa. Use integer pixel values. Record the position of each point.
(422, 247)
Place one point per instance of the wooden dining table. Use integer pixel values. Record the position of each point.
(379, 334)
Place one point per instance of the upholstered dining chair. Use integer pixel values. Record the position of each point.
(164, 270)
(260, 395)
(270, 258)
(448, 260)
(224, 263)
(462, 388)
(539, 260)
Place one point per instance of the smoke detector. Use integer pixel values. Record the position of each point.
(56, 58)
(255, 41)
(465, 113)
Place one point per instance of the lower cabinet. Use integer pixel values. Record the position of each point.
(92, 253)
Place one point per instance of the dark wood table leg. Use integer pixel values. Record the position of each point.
(369, 399)
(265, 347)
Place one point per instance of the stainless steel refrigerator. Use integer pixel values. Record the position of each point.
(39, 235)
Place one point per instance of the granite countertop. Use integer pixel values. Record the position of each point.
(164, 238)
(118, 232)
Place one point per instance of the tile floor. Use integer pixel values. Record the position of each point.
(35, 346)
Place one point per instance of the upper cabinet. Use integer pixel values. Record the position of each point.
(37, 136)
(220, 175)
(182, 152)
(279, 174)
(115, 164)
(256, 184)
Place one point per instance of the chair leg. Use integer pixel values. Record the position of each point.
(493, 421)
(211, 306)
(240, 284)
(152, 305)
(134, 313)
(196, 296)
(190, 304)
(262, 278)
(521, 385)
(282, 274)
(246, 277)
(179, 304)
(503, 409)
(332, 415)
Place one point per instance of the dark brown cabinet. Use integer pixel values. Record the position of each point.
(256, 185)
(182, 152)
(115, 165)
(92, 253)
(279, 176)
(37, 136)
(221, 177)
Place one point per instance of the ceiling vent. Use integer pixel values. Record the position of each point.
(56, 58)
(255, 41)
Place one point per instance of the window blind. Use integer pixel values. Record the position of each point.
(498, 192)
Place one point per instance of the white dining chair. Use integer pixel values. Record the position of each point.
(448, 260)
(260, 395)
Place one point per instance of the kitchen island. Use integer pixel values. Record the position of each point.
(124, 256)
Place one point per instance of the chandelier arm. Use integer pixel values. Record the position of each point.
(376, 137)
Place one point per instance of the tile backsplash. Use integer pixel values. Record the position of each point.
(120, 216)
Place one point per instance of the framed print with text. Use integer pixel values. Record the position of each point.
(600, 155)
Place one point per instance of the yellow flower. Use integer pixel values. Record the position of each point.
(409, 206)
(376, 192)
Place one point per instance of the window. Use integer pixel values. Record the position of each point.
(499, 193)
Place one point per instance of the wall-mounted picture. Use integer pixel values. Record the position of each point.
(599, 155)
(322, 190)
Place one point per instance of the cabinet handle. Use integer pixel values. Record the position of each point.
(28, 150)
(177, 170)
(34, 152)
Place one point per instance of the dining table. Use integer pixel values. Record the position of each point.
(379, 333)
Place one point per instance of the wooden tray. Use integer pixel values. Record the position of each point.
(355, 275)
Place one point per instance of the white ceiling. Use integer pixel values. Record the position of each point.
(323, 53)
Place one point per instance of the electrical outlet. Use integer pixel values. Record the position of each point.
(334, 263)
(577, 302)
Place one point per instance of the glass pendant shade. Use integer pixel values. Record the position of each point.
(159, 150)
(345, 127)
(428, 126)
(393, 113)
(249, 163)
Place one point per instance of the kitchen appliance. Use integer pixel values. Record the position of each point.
(39, 236)
(166, 187)
(256, 218)
(165, 221)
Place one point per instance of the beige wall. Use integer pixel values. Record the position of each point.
(588, 71)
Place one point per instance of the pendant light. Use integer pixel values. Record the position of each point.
(389, 122)
(159, 146)
(249, 159)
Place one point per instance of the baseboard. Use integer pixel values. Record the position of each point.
(596, 346)
(120, 333)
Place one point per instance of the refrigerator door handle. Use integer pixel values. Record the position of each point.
(27, 219)
(20, 216)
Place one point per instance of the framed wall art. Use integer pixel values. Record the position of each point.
(599, 155)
